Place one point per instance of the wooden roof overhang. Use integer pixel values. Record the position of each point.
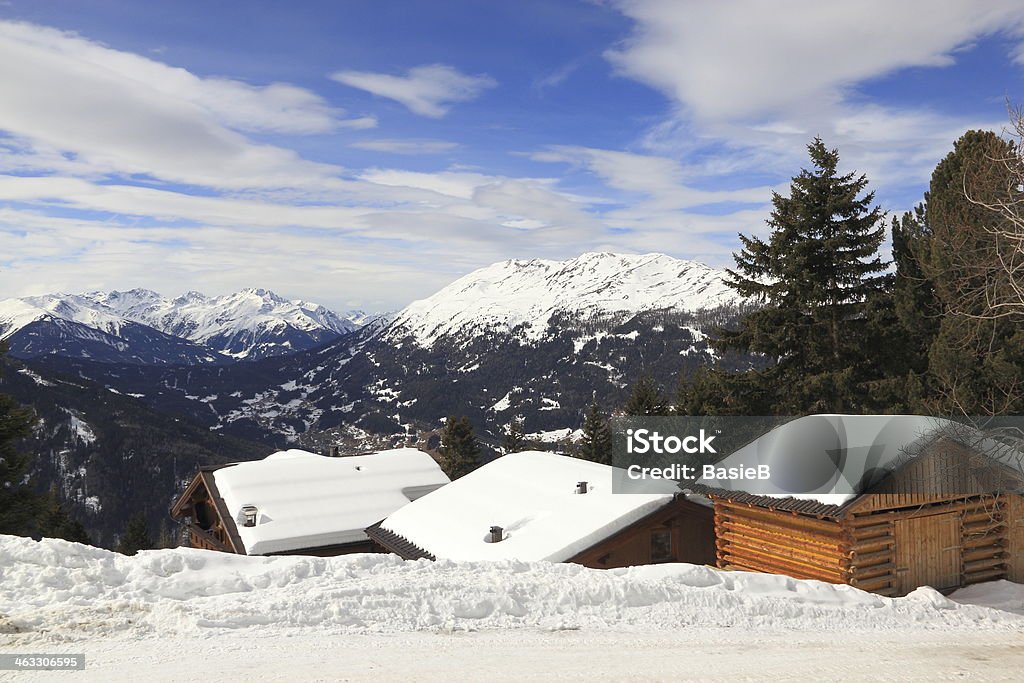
(797, 506)
(397, 544)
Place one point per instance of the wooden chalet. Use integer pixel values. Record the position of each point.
(542, 506)
(932, 511)
(300, 503)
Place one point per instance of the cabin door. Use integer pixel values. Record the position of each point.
(927, 552)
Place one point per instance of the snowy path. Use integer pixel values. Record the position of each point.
(693, 654)
(189, 614)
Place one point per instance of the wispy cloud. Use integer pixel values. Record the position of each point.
(557, 77)
(427, 90)
(406, 146)
(751, 82)
(119, 113)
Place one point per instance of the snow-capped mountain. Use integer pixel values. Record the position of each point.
(537, 339)
(75, 326)
(142, 327)
(250, 324)
(524, 295)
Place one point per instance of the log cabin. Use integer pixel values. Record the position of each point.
(300, 503)
(902, 502)
(543, 506)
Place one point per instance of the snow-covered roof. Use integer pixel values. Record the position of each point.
(830, 459)
(307, 500)
(531, 495)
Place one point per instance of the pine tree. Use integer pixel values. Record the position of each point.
(815, 276)
(19, 504)
(914, 298)
(460, 452)
(596, 443)
(136, 536)
(976, 359)
(646, 399)
(166, 539)
(53, 521)
(515, 440)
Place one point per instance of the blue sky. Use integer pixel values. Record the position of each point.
(364, 154)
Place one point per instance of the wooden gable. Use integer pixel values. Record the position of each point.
(210, 525)
(945, 471)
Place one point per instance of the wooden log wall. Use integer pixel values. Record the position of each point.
(982, 542)
(984, 546)
(1015, 537)
(860, 549)
(755, 539)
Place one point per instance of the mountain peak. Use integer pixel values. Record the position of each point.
(517, 293)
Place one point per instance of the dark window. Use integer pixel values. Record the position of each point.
(204, 516)
(661, 545)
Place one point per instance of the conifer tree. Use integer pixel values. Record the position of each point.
(53, 521)
(136, 536)
(976, 360)
(166, 539)
(460, 452)
(596, 443)
(646, 399)
(19, 504)
(814, 276)
(514, 440)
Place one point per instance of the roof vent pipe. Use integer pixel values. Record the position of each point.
(581, 487)
(497, 534)
(250, 513)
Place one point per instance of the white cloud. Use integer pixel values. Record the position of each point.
(555, 78)
(427, 90)
(661, 180)
(751, 83)
(118, 113)
(742, 58)
(406, 146)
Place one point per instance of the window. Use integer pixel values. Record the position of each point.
(661, 545)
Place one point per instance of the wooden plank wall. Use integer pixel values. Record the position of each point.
(691, 526)
(982, 539)
(928, 552)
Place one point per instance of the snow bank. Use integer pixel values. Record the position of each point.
(59, 591)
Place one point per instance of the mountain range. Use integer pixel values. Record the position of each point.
(530, 340)
(142, 327)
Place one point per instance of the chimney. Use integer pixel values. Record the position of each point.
(250, 513)
(581, 487)
(334, 452)
(496, 534)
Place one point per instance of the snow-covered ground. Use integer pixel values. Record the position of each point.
(186, 614)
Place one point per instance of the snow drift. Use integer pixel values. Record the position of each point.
(55, 590)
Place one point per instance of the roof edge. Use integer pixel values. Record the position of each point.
(803, 506)
(396, 543)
